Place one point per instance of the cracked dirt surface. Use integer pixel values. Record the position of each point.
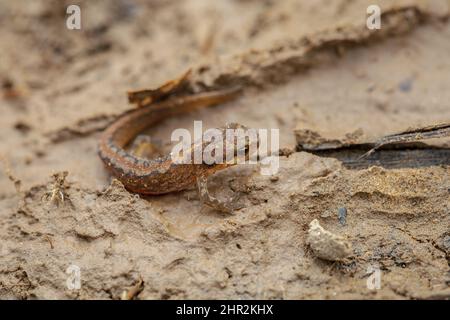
(305, 65)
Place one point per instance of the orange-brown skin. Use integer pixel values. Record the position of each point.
(160, 175)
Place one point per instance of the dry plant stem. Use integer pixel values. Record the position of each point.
(134, 291)
(412, 135)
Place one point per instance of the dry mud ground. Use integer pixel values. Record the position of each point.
(305, 65)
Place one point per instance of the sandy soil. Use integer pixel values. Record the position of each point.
(305, 65)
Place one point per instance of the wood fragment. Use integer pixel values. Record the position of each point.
(49, 240)
(134, 291)
(413, 157)
(147, 96)
(412, 135)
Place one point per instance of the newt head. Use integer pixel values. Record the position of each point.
(222, 147)
(231, 145)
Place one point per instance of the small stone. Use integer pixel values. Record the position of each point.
(371, 87)
(342, 216)
(446, 243)
(406, 85)
(274, 178)
(327, 245)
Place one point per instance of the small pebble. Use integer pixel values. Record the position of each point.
(406, 85)
(326, 245)
(274, 178)
(371, 87)
(342, 216)
(447, 242)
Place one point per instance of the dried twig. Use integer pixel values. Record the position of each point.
(147, 96)
(412, 135)
(134, 291)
